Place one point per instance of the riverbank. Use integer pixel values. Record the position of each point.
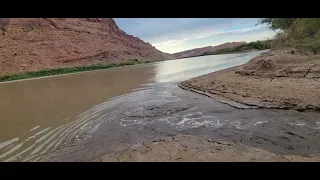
(245, 48)
(190, 148)
(60, 71)
(281, 79)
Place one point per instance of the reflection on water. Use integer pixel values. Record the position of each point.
(38, 116)
(183, 69)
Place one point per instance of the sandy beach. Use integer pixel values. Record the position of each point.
(281, 79)
(188, 148)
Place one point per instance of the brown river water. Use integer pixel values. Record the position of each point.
(77, 117)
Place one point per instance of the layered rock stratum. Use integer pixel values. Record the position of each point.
(31, 44)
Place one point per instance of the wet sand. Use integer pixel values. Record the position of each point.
(188, 148)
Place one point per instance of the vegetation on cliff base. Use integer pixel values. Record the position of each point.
(300, 33)
(51, 72)
(258, 45)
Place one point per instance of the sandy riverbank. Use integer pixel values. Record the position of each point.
(188, 148)
(277, 79)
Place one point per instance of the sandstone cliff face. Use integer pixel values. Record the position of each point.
(200, 51)
(30, 44)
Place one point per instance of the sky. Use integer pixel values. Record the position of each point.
(172, 35)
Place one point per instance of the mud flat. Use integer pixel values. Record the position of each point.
(280, 79)
(192, 148)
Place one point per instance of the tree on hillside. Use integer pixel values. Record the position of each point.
(302, 33)
(277, 23)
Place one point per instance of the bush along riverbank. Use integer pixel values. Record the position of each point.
(58, 71)
(252, 46)
(302, 34)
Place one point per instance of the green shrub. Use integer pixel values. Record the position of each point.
(50, 72)
(258, 45)
(300, 33)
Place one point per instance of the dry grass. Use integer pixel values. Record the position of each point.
(303, 34)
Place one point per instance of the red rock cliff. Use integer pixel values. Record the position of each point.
(30, 44)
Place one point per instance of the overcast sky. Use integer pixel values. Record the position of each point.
(178, 34)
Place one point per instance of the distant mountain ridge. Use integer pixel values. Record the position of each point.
(200, 51)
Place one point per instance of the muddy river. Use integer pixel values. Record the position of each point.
(78, 117)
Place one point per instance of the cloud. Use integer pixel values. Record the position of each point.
(246, 34)
(194, 30)
(173, 34)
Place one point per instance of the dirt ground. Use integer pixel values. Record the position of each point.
(187, 148)
(276, 79)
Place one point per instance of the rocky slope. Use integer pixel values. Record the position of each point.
(30, 44)
(200, 51)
